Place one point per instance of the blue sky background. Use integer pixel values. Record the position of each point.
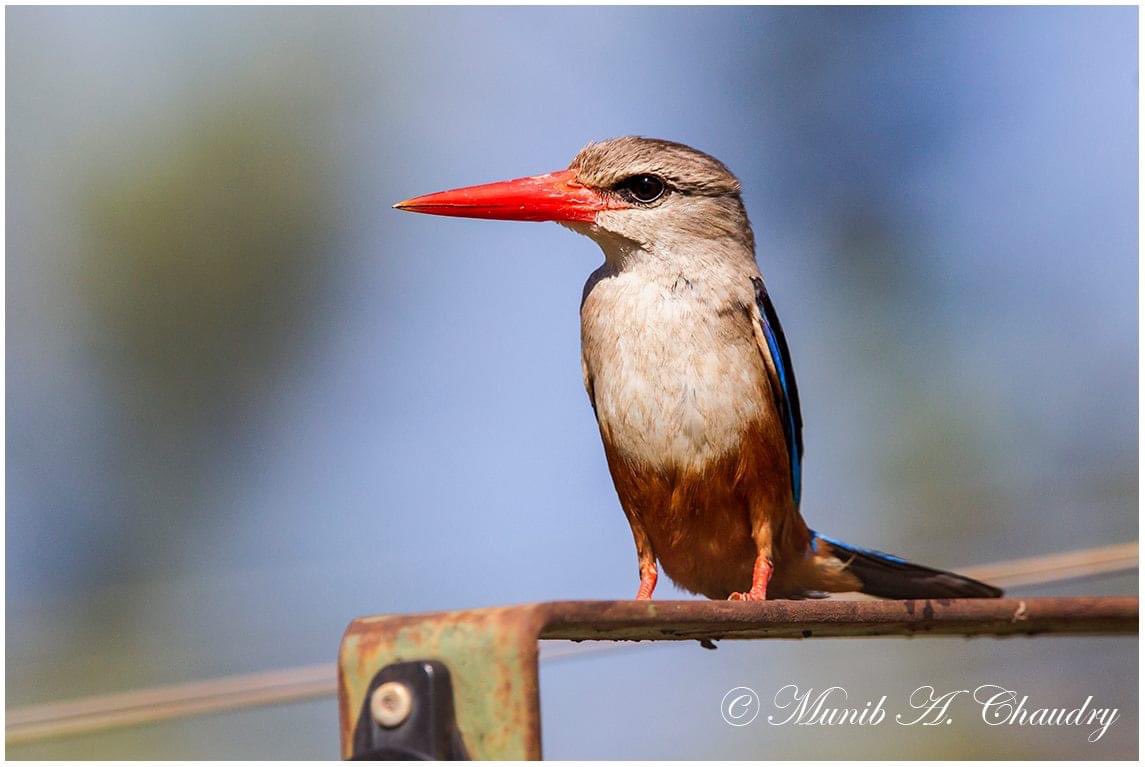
(247, 401)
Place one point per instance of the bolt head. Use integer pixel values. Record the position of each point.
(391, 703)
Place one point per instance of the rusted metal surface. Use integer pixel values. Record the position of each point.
(838, 618)
(492, 653)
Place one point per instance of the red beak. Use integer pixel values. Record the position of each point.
(554, 196)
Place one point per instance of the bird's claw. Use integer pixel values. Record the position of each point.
(746, 596)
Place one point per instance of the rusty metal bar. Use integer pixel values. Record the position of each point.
(842, 618)
(492, 653)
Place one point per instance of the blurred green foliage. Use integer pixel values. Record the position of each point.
(203, 260)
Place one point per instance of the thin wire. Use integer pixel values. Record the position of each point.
(1056, 568)
(102, 712)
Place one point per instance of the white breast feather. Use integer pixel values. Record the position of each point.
(669, 386)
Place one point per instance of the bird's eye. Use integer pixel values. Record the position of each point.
(643, 188)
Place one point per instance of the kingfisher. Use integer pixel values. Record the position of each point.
(690, 377)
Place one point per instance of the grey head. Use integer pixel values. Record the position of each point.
(669, 202)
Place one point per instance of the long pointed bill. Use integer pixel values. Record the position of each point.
(552, 197)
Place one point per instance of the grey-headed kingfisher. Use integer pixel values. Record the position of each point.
(690, 377)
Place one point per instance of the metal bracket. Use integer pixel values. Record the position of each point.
(407, 714)
(492, 653)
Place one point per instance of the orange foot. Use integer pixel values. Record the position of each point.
(760, 575)
(647, 583)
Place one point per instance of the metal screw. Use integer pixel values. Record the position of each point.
(391, 703)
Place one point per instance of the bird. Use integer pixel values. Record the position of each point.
(690, 377)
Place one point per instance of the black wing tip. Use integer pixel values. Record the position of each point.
(891, 577)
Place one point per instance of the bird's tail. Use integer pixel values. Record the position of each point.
(885, 575)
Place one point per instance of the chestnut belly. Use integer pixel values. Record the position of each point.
(700, 518)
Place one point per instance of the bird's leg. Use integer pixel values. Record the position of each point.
(645, 557)
(761, 571)
(647, 580)
(760, 575)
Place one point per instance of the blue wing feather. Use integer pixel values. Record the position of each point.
(786, 390)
